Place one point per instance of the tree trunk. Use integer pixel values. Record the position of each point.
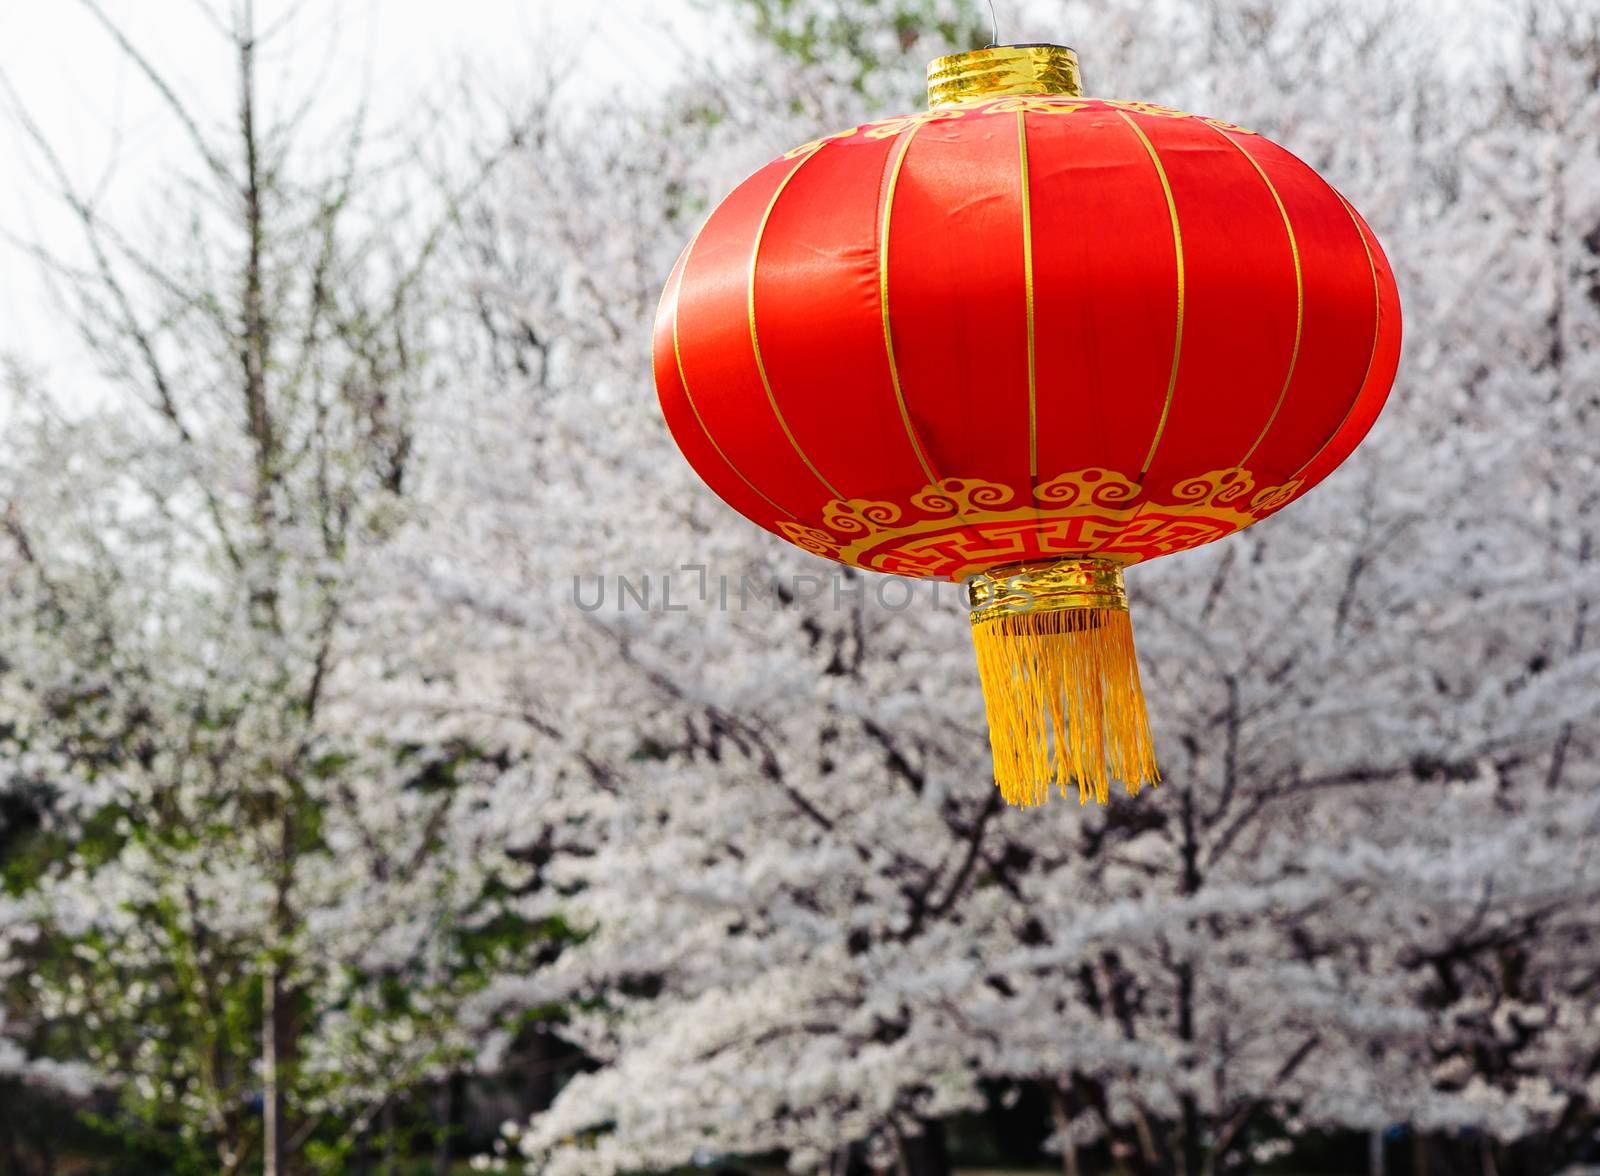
(447, 1122)
(278, 1028)
(1063, 1125)
(10, 1143)
(924, 1154)
(1375, 1156)
(272, 1133)
(390, 1158)
(1151, 1153)
(542, 1065)
(1191, 1146)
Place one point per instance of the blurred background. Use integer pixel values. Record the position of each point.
(407, 766)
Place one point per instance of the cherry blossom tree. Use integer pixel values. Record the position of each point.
(395, 692)
(252, 917)
(1358, 899)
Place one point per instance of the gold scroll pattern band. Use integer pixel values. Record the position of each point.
(959, 526)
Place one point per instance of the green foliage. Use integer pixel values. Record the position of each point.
(862, 37)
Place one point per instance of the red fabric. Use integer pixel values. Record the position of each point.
(1105, 281)
(909, 450)
(959, 319)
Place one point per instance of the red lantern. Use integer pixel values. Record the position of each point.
(1026, 338)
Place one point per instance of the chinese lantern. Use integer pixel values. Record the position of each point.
(1025, 339)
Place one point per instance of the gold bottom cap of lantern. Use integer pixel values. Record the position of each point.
(1060, 680)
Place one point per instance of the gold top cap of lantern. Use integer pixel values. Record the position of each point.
(1001, 70)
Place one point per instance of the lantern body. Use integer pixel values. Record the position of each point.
(1024, 328)
(1027, 338)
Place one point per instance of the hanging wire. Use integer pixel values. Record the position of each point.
(994, 28)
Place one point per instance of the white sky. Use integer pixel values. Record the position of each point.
(104, 120)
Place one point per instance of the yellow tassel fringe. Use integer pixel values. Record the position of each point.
(1061, 687)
